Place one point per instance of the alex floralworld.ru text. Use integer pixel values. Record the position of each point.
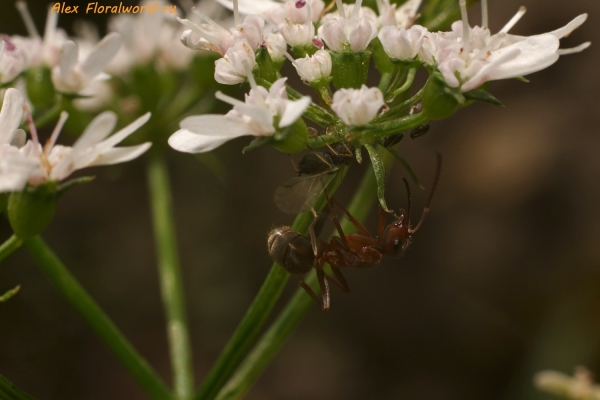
(95, 8)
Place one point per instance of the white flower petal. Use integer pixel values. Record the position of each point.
(11, 114)
(120, 154)
(123, 133)
(294, 110)
(97, 130)
(204, 133)
(251, 6)
(570, 27)
(537, 52)
(101, 55)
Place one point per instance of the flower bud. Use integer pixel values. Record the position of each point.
(31, 210)
(274, 42)
(314, 68)
(401, 43)
(230, 69)
(357, 107)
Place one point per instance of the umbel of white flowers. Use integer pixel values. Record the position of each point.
(25, 163)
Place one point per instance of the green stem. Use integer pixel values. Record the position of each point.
(410, 78)
(8, 391)
(384, 83)
(255, 317)
(170, 277)
(95, 317)
(51, 114)
(400, 108)
(391, 128)
(9, 247)
(272, 341)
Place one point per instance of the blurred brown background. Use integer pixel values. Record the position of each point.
(502, 280)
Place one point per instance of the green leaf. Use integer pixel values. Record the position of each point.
(379, 170)
(9, 294)
(9, 391)
(483, 96)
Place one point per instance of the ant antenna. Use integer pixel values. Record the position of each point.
(407, 216)
(435, 182)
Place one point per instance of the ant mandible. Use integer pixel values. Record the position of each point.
(298, 254)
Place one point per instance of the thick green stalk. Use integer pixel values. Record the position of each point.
(100, 323)
(255, 317)
(9, 247)
(272, 341)
(8, 391)
(170, 277)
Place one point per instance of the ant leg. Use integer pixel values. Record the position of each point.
(311, 293)
(354, 221)
(341, 281)
(311, 232)
(321, 277)
(335, 220)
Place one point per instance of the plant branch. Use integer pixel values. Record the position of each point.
(97, 319)
(170, 277)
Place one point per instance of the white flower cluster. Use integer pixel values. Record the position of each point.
(26, 162)
(466, 56)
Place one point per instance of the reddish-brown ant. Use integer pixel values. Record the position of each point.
(298, 253)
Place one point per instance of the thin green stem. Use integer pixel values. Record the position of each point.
(400, 108)
(51, 114)
(9, 247)
(97, 319)
(384, 83)
(410, 78)
(170, 277)
(8, 391)
(390, 128)
(272, 341)
(250, 326)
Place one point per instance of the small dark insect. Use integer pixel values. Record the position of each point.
(298, 253)
(413, 133)
(315, 169)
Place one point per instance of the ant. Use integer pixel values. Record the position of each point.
(298, 253)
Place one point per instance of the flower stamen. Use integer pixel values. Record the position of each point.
(484, 14)
(21, 6)
(513, 21)
(340, 7)
(52, 140)
(356, 9)
(465, 22)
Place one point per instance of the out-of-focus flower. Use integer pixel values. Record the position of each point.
(40, 51)
(12, 60)
(257, 116)
(72, 75)
(402, 43)
(213, 37)
(148, 36)
(314, 68)
(357, 107)
(468, 57)
(402, 17)
(232, 68)
(247, 7)
(352, 33)
(54, 162)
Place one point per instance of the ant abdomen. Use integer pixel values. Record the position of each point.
(290, 250)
